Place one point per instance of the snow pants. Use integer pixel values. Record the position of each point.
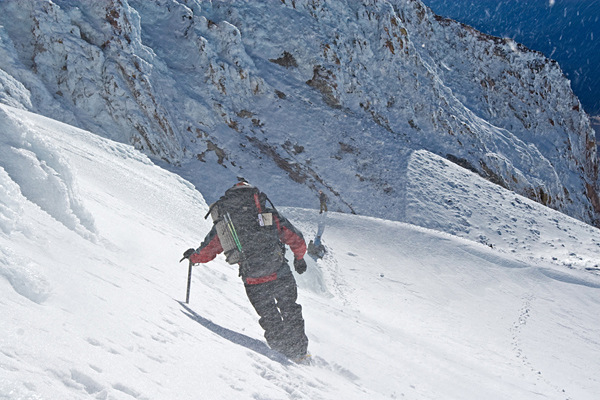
(280, 315)
(322, 208)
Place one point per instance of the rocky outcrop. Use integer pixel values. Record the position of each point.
(194, 81)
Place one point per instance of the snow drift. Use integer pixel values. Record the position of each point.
(90, 288)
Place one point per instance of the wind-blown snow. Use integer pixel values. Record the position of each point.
(564, 30)
(91, 288)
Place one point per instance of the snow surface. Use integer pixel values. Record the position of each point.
(91, 290)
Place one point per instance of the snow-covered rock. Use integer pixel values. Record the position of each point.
(304, 94)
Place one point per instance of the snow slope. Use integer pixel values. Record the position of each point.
(91, 233)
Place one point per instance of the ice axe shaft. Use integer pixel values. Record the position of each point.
(189, 283)
(189, 280)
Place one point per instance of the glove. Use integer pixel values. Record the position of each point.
(300, 265)
(187, 254)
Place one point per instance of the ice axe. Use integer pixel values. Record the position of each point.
(189, 280)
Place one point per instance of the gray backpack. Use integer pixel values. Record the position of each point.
(248, 231)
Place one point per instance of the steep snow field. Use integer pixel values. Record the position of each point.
(91, 233)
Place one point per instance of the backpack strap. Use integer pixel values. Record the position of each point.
(210, 209)
(266, 198)
(257, 202)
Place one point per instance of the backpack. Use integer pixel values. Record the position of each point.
(247, 231)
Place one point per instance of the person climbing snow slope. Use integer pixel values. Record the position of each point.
(323, 202)
(254, 237)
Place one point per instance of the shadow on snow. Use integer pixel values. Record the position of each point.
(235, 337)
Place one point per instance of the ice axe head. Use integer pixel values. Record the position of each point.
(187, 254)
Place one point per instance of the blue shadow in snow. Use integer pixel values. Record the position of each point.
(566, 278)
(235, 337)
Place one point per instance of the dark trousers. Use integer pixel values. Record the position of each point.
(280, 316)
(323, 207)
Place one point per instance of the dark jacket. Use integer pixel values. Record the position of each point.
(323, 197)
(268, 270)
